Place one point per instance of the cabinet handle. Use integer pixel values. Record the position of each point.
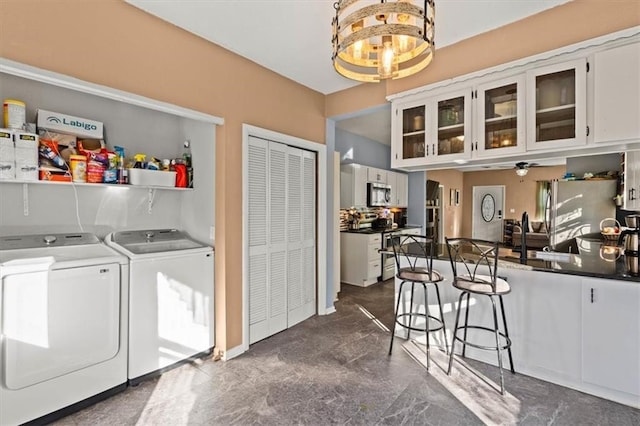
(433, 149)
(592, 295)
(587, 130)
(632, 194)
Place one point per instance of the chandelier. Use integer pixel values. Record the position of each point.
(376, 40)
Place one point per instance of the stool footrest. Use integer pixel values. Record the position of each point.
(475, 345)
(421, 315)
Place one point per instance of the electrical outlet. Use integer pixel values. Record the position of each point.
(512, 210)
(212, 233)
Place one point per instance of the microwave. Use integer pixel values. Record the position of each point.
(378, 194)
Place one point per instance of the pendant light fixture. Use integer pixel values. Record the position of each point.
(375, 40)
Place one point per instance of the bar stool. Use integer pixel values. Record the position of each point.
(475, 271)
(414, 266)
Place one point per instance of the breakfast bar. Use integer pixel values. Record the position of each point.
(574, 320)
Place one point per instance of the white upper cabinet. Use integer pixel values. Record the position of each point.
(402, 189)
(450, 135)
(499, 118)
(408, 129)
(557, 105)
(617, 94)
(353, 185)
(376, 175)
(631, 181)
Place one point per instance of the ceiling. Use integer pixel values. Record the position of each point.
(293, 37)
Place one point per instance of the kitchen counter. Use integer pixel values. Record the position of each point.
(380, 231)
(593, 261)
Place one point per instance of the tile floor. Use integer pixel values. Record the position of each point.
(335, 370)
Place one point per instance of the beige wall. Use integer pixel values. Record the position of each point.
(450, 179)
(116, 45)
(520, 192)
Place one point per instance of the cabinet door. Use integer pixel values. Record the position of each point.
(408, 132)
(631, 180)
(376, 175)
(617, 94)
(611, 334)
(393, 182)
(402, 183)
(500, 118)
(450, 135)
(556, 106)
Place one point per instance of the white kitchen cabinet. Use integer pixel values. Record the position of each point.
(434, 130)
(353, 185)
(557, 105)
(402, 191)
(399, 189)
(360, 261)
(611, 334)
(631, 181)
(499, 118)
(617, 94)
(376, 175)
(408, 133)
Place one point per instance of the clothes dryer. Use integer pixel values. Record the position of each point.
(63, 325)
(170, 299)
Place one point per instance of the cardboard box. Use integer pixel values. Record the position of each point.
(69, 124)
(54, 174)
(7, 155)
(26, 146)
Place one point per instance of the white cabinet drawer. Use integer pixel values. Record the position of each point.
(374, 269)
(375, 239)
(372, 252)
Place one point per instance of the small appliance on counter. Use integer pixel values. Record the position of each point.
(631, 237)
(382, 223)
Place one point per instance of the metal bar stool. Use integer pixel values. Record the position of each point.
(475, 271)
(414, 266)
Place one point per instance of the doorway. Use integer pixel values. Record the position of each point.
(284, 265)
(487, 212)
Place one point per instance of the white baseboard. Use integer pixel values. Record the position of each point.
(233, 352)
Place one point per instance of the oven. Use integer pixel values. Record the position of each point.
(388, 260)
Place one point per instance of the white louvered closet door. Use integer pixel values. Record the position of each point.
(281, 270)
(302, 213)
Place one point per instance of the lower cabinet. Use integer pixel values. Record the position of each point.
(578, 332)
(360, 261)
(611, 334)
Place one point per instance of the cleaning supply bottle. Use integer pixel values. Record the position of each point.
(186, 156)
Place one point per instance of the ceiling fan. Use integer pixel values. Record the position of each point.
(522, 168)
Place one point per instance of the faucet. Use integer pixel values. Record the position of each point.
(523, 237)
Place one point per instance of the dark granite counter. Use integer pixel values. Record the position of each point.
(595, 260)
(380, 231)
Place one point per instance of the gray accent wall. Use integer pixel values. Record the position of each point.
(417, 197)
(358, 149)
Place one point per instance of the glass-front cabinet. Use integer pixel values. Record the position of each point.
(556, 106)
(500, 119)
(413, 132)
(450, 138)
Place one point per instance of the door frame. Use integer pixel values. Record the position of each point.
(321, 223)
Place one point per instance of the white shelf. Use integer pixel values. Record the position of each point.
(93, 185)
(417, 132)
(451, 127)
(499, 119)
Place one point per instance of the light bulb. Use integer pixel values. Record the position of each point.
(386, 58)
(521, 172)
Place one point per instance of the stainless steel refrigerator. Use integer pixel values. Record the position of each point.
(575, 208)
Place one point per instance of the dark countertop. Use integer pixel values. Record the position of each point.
(380, 231)
(593, 261)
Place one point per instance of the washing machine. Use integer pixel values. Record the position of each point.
(170, 299)
(63, 325)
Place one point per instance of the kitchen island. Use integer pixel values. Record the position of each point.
(574, 320)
